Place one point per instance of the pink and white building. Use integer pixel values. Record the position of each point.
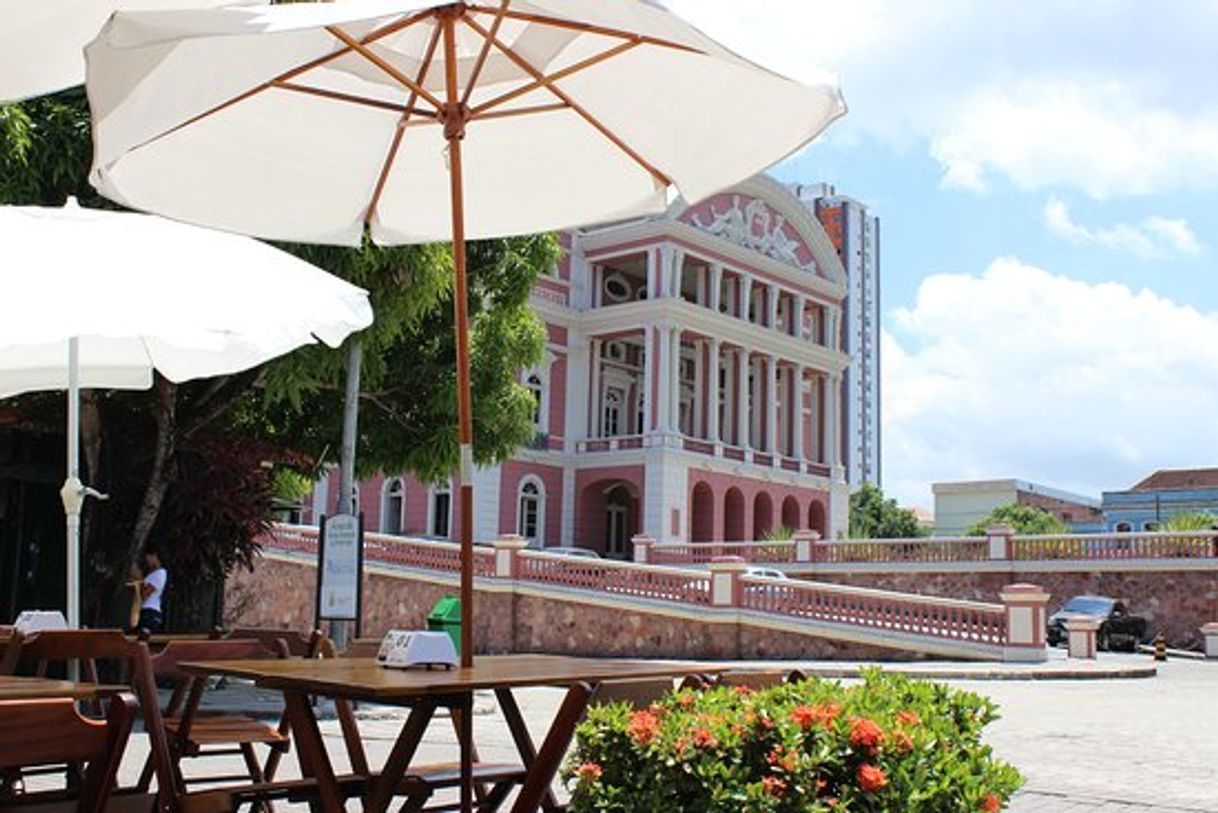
(691, 389)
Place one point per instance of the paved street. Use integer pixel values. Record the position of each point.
(1145, 745)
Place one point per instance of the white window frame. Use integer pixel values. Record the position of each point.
(387, 496)
(539, 391)
(432, 493)
(539, 537)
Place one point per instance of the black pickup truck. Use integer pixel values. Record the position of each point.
(1118, 629)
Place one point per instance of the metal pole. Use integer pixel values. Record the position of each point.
(454, 116)
(346, 466)
(73, 491)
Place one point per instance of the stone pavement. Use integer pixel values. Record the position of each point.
(1085, 746)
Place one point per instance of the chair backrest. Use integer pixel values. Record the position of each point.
(37, 651)
(637, 693)
(361, 648)
(43, 732)
(300, 644)
(167, 663)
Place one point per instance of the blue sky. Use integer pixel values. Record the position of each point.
(1047, 178)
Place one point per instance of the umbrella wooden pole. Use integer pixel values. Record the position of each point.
(454, 131)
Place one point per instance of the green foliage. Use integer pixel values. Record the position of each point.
(45, 151)
(1025, 519)
(1201, 521)
(782, 533)
(886, 745)
(408, 408)
(874, 517)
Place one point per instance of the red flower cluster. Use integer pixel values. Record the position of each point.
(589, 772)
(822, 714)
(703, 738)
(909, 718)
(773, 786)
(643, 726)
(992, 804)
(871, 778)
(865, 735)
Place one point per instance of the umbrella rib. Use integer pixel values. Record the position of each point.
(401, 78)
(596, 124)
(524, 111)
(351, 98)
(553, 77)
(400, 130)
(287, 75)
(484, 52)
(587, 28)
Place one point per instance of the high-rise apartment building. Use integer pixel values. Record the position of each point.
(855, 233)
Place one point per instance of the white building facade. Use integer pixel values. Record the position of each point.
(855, 232)
(692, 388)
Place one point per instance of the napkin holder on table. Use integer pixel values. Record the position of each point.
(408, 649)
(40, 620)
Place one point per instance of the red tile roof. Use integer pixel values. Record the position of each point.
(1174, 479)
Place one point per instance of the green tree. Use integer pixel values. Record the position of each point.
(1201, 521)
(1025, 519)
(146, 447)
(872, 516)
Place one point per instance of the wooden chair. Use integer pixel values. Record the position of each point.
(195, 736)
(42, 732)
(752, 680)
(299, 644)
(92, 652)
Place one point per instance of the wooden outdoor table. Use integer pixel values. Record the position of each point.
(34, 688)
(425, 691)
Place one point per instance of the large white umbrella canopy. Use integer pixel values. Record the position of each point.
(421, 122)
(42, 41)
(267, 121)
(102, 299)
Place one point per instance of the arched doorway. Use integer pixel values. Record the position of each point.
(733, 515)
(702, 514)
(816, 517)
(763, 515)
(790, 513)
(608, 517)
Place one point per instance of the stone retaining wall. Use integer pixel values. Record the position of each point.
(280, 593)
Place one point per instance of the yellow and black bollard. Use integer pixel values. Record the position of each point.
(1160, 647)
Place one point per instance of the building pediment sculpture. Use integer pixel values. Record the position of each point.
(754, 225)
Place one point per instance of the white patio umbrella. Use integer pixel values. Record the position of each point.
(98, 300)
(42, 41)
(423, 122)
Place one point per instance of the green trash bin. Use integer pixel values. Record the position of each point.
(446, 617)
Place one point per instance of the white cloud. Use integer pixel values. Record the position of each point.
(1019, 372)
(1102, 96)
(1153, 238)
(1100, 138)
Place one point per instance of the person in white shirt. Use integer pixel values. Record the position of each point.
(152, 589)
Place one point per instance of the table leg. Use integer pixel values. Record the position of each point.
(465, 738)
(382, 790)
(311, 750)
(544, 765)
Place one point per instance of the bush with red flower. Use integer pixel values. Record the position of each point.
(885, 745)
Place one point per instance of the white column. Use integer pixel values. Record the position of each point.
(649, 349)
(716, 284)
(712, 405)
(772, 307)
(653, 274)
(745, 285)
(676, 275)
(674, 379)
(801, 305)
(662, 388)
(742, 397)
(797, 425)
(700, 367)
(664, 273)
(771, 394)
(833, 402)
(598, 284)
(594, 390)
